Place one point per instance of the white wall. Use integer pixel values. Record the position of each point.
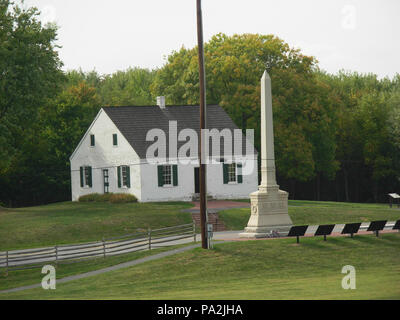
(219, 190)
(185, 188)
(104, 156)
(144, 177)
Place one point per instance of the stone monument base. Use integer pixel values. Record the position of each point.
(269, 212)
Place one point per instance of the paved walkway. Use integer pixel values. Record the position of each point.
(234, 235)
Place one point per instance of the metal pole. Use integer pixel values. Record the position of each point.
(202, 169)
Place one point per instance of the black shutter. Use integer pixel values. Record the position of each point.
(175, 174)
(160, 170)
(119, 176)
(128, 176)
(225, 171)
(90, 176)
(81, 171)
(239, 173)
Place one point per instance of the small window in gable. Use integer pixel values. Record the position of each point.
(115, 139)
(92, 140)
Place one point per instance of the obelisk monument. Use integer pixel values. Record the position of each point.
(269, 205)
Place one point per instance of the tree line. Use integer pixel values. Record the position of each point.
(337, 136)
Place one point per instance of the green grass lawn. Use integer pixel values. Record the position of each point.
(262, 269)
(72, 222)
(318, 212)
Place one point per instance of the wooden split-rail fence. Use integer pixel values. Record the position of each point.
(69, 253)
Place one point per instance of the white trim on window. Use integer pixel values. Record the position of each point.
(167, 175)
(86, 177)
(124, 176)
(232, 177)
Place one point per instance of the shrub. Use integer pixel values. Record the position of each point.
(92, 197)
(108, 197)
(122, 198)
(104, 197)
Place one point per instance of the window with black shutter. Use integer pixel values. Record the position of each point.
(86, 176)
(124, 177)
(232, 173)
(167, 175)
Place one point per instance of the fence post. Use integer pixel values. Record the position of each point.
(56, 248)
(6, 263)
(194, 231)
(149, 235)
(104, 247)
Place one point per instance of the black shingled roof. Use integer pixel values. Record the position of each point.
(135, 121)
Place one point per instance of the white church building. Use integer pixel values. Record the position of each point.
(113, 156)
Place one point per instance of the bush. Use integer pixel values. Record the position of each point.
(108, 197)
(92, 197)
(122, 198)
(104, 197)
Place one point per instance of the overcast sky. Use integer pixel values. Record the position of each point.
(111, 35)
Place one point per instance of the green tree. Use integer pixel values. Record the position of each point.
(30, 74)
(394, 116)
(378, 145)
(91, 78)
(303, 111)
(365, 132)
(41, 171)
(67, 119)
(130, 87)
(64, 122)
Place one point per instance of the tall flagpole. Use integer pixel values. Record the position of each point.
(202, 169)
